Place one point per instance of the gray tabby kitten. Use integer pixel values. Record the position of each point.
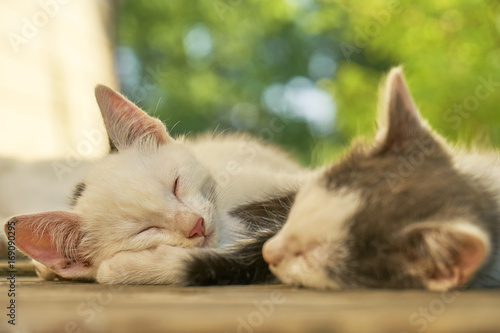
(408, 211)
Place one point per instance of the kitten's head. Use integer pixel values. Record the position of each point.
(151, 190)
(397, 214)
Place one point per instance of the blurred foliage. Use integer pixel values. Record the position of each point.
(448, 48)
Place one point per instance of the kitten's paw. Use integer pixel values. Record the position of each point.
(163, 265)
(114, 270)
(44, 272)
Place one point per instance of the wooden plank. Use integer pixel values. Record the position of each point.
(76, 307)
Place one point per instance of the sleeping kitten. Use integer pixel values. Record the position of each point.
(155, 193)
(407, 212)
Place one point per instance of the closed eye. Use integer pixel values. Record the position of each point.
(176, 186)
(148, 229)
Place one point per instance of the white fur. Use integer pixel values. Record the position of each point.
(129, 206)
(298, 252)
(132, 190)
(240, 162)
(484, 166)
(161, 265)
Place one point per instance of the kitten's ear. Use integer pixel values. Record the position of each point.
(53, 239)
(445, 256)
(126, 123)
(399, 121)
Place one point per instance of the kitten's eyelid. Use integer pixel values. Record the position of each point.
(150, 228)
(176, 186)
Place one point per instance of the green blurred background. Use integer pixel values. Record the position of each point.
(306, 73)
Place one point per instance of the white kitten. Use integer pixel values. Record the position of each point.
(155, 201)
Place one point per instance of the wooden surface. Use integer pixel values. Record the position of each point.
(75, 307)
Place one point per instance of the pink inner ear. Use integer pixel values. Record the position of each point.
(125, 122)
(37, 247)
(38, 235)
(455, 251)
(473, 254)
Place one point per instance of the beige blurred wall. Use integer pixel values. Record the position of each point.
(52, 54)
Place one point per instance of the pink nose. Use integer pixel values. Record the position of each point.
(273, 252)
(199, 229)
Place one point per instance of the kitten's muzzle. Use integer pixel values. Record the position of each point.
(273, 251)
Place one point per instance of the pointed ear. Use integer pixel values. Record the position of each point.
(126, 123)
(53, 239)
(446, 256)
(400, 123)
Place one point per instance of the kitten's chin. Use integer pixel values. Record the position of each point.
(299, 272)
